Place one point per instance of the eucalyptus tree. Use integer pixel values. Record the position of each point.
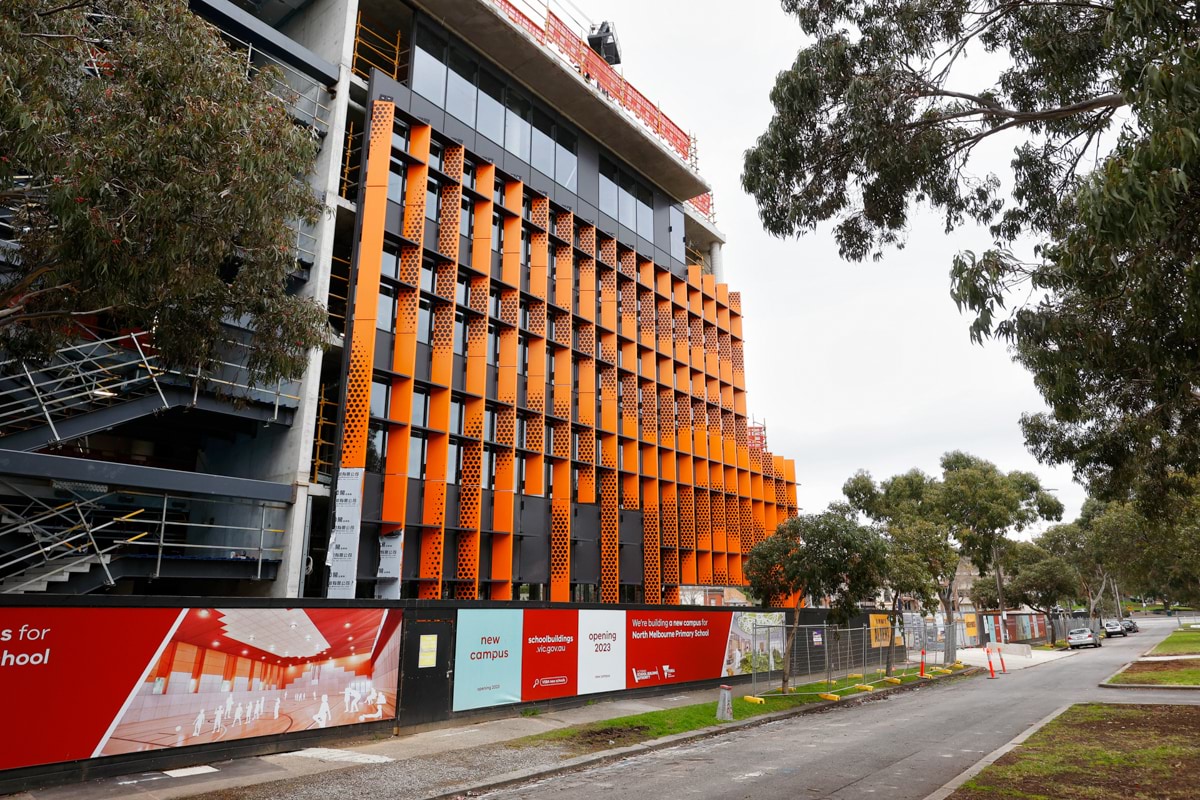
(985, 504)
(1088, 264)
(923, 559)
(826, 556)
(149, 183)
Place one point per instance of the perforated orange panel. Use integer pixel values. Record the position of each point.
(560, 534)
(651, 543)
(369, 255)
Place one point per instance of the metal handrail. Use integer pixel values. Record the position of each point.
(80, 542)
(94, 372)
(303, 94)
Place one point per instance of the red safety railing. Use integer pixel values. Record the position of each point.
(703, 204)
(563, 38)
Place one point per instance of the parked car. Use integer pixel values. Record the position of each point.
(1079, 637)
(1113, 628)
(1129, 625)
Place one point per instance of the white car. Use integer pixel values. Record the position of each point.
(1078, 637)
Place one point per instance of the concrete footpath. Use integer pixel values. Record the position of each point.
(977, 657)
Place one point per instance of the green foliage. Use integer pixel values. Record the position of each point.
(922, 559)
(823, 555)
(1102, 102)
(155, 184)
(984, 503)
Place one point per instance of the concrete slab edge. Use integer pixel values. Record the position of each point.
(952, 786)
(594, 759)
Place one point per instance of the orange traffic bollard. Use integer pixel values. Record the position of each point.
(922, 662)
(991, 669)
(1000, 652)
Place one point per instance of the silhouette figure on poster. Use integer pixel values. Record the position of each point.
(199, 726)
(237, 715)
(377, 700)
(355, 697)
(277, 707)
(229, 705)
(323, 713)
(218, 715)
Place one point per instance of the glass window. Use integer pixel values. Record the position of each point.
(420, 408)
(380, 391)
(678, 251)
(416, 455)
(396, 183)
(608, 188)
(452, 463)
(427, 275)
(490, 119)
(429, 67)
(376, 448)
(391, 264)
(645, 212)
(424, 322)
(626, 202)
(460, 87)
(460, 333)
(433, 201)
(466, 218)
(564, 159)
(543, 143)
(456, 415)
(516, 125)
(385, 309)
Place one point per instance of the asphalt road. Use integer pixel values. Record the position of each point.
(901, 747)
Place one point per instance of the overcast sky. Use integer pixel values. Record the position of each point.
(852, 366)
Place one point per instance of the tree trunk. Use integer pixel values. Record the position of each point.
(947, 598)
(787, 648)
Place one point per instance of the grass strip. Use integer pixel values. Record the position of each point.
(636, 728)
(1097, 751)
(1184, 672)
(1181, 642)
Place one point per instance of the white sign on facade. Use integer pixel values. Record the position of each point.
(342, 556)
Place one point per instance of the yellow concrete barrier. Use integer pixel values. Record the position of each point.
(864, 687)
(752, 699)
(940, 671)
(854, 675)
(893, 680)
(828, 696)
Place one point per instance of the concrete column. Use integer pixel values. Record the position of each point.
(716, 261)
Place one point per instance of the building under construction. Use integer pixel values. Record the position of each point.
(536, 389)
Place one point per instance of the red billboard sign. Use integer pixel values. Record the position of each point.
(550, 654)
(136, 679)
(674, 646)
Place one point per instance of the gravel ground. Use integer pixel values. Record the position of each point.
(412, 779)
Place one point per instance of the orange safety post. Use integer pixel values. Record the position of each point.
(1000, 652)
(922, 662)
(991, 669)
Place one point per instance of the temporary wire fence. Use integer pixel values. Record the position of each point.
(833, 661)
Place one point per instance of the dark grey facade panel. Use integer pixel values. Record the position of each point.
(230, 18)
(486, 148)
(629, 527)
(40, 465)
(460, 132)
(540, 183)
(585, 562)
(629, 565)
(427, 112)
